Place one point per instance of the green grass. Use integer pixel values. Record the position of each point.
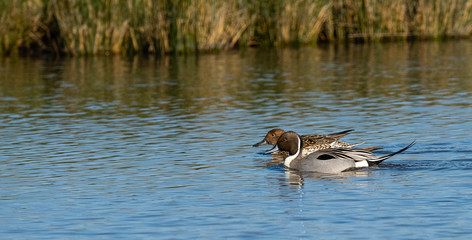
(90, 27)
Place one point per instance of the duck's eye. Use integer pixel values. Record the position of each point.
(273, 135)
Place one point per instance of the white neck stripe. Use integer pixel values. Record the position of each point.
(290, 158)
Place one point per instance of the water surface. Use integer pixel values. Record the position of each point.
(146, 148)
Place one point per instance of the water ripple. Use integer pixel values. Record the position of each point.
(163, 148)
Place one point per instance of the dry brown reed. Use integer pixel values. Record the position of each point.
(83, 27)
(20, 25)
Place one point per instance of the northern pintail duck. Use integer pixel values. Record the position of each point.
(311, 143)
(332, 160)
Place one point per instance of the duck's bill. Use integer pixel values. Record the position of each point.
(274, 149)
(263, 142)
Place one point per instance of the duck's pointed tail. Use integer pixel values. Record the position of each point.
(370, 149)
(373, 162)
(339, 135)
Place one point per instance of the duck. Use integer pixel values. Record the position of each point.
(330, 160)
(311, 143)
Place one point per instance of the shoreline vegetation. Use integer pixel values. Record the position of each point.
(91, 27)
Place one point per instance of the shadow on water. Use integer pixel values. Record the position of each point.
(296, 178)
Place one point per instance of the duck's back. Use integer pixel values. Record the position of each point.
(312, 143)
(324, 162)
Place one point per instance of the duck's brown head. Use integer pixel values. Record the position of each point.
(291, 142)
(271, 137)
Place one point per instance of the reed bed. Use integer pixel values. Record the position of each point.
(90, 27)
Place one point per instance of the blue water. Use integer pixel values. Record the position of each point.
(144, 148)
